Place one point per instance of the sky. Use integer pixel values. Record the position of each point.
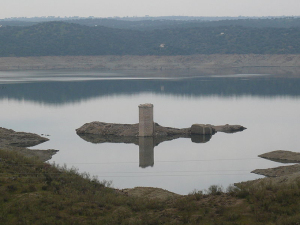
(131, 8)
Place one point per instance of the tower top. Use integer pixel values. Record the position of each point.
(146, 105)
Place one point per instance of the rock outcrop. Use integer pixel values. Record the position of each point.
(282, 157)
(279, 175)
(100, 132)
(229, 128)
(19, 141)
(204, 129)
(278, 171)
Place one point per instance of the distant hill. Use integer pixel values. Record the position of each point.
(61, 38)
(149, 24)
(152, 23)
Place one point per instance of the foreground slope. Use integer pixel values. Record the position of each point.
(33, 192)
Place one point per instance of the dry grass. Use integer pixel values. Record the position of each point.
(32, 192)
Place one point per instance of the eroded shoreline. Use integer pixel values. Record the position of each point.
(11, 140)
(131, 62)
(287, 174)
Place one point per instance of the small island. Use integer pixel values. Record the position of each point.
(100, 132)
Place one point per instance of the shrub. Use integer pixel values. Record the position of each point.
(215, 190)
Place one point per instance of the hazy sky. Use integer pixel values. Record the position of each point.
(110, 8)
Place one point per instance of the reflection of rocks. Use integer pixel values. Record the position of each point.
(17, 141)
(96, 138)
(200, 138)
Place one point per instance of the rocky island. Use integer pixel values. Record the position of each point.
(101, 132)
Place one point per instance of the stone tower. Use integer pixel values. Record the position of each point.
(146, 124)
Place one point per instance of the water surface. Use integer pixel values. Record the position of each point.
(58, 102)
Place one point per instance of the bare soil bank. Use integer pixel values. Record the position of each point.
(193, 62)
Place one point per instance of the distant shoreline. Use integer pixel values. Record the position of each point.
(130, 62)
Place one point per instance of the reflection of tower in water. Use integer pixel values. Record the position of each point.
(146, 148)
(146, 151)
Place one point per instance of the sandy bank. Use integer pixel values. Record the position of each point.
(193, 62)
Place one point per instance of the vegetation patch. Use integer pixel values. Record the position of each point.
(69, 39)
(33, 192)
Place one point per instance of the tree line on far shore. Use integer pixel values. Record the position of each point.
(61, 39)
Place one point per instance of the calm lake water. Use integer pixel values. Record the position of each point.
(58, 102)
